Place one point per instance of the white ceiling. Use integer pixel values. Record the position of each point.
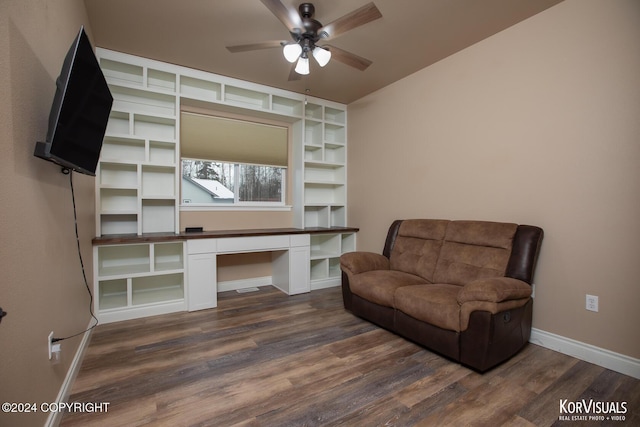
(411, 35)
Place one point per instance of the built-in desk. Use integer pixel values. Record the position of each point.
(157, 273)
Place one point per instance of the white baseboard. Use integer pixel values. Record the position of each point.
(56, 416)
(325, 283)
(254, 282)
(587, 352)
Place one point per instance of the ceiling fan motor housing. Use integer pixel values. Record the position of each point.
(310, 36)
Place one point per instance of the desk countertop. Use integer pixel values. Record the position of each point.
(115, 239)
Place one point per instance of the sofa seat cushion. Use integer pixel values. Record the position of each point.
(495, 289)
(436, 304)
(379, 286)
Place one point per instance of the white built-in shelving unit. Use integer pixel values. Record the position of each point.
(325, 188)
(135, 280)
(138, 176)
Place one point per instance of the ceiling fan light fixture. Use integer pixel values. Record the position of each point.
(292, 51)
(302, 67)
(321, 55)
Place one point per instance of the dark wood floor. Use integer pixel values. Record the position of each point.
(266, 359)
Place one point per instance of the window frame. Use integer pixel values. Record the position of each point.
(236, 204)
(287, 198)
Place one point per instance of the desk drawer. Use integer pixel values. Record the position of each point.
(300, 240)
(251, 244)
(201, 246)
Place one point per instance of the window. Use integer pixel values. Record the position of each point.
(205, 182)
(231, 162)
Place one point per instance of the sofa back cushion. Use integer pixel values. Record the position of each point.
(474, 250)
(417, 246)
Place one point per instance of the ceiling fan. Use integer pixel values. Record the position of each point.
(306, 33)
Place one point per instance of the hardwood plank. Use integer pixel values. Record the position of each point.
(492, 403)
(441, 379)
(267, 359)
(545, 409)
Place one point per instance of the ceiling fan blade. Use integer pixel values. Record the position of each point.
(255, 46)
(289, 17)
(365, 14)
(348, 58)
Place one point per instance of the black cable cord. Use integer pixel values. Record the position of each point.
(84, 274)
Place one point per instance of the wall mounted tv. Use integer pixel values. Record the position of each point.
(79, 113)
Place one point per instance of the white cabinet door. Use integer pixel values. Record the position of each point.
(202, 290)
(299, 270)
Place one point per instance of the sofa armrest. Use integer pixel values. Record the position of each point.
(359, 262)
(495, 289)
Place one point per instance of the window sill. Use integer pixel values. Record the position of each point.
(247, 207)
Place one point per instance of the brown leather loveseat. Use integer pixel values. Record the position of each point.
(459, 288)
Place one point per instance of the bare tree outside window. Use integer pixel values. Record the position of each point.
(260, 183)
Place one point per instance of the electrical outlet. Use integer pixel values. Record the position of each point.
(592, 303)
(54, 349)
(533, 290)
(55, 353)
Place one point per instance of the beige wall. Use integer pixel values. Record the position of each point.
(41, 286)
(538, 124)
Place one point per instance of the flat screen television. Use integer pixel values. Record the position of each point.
(79, 113)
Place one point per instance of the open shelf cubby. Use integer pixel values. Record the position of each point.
(287, 106)
(122, 73)
(203, 90)
(162, 153)
(154, 127)
(118, 200)
(161, 80)
(313, 153)
(329, 194)
(115, 148)
(168, 256)
(312, 132)
(112, 294)
(348, 243)
(334, 267)
(118, 175)
(246, 97)
(324, 173)
(335, 153)
(338, 216)
(335, 115)
(156, 289)
(334, 133)
(123, 260)
(158, 181)
(319, 269)
(118, 224)
(138, 100)
(325, 245)
(316, 216)
(313, 111)
(158, 215)
(119, 123)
